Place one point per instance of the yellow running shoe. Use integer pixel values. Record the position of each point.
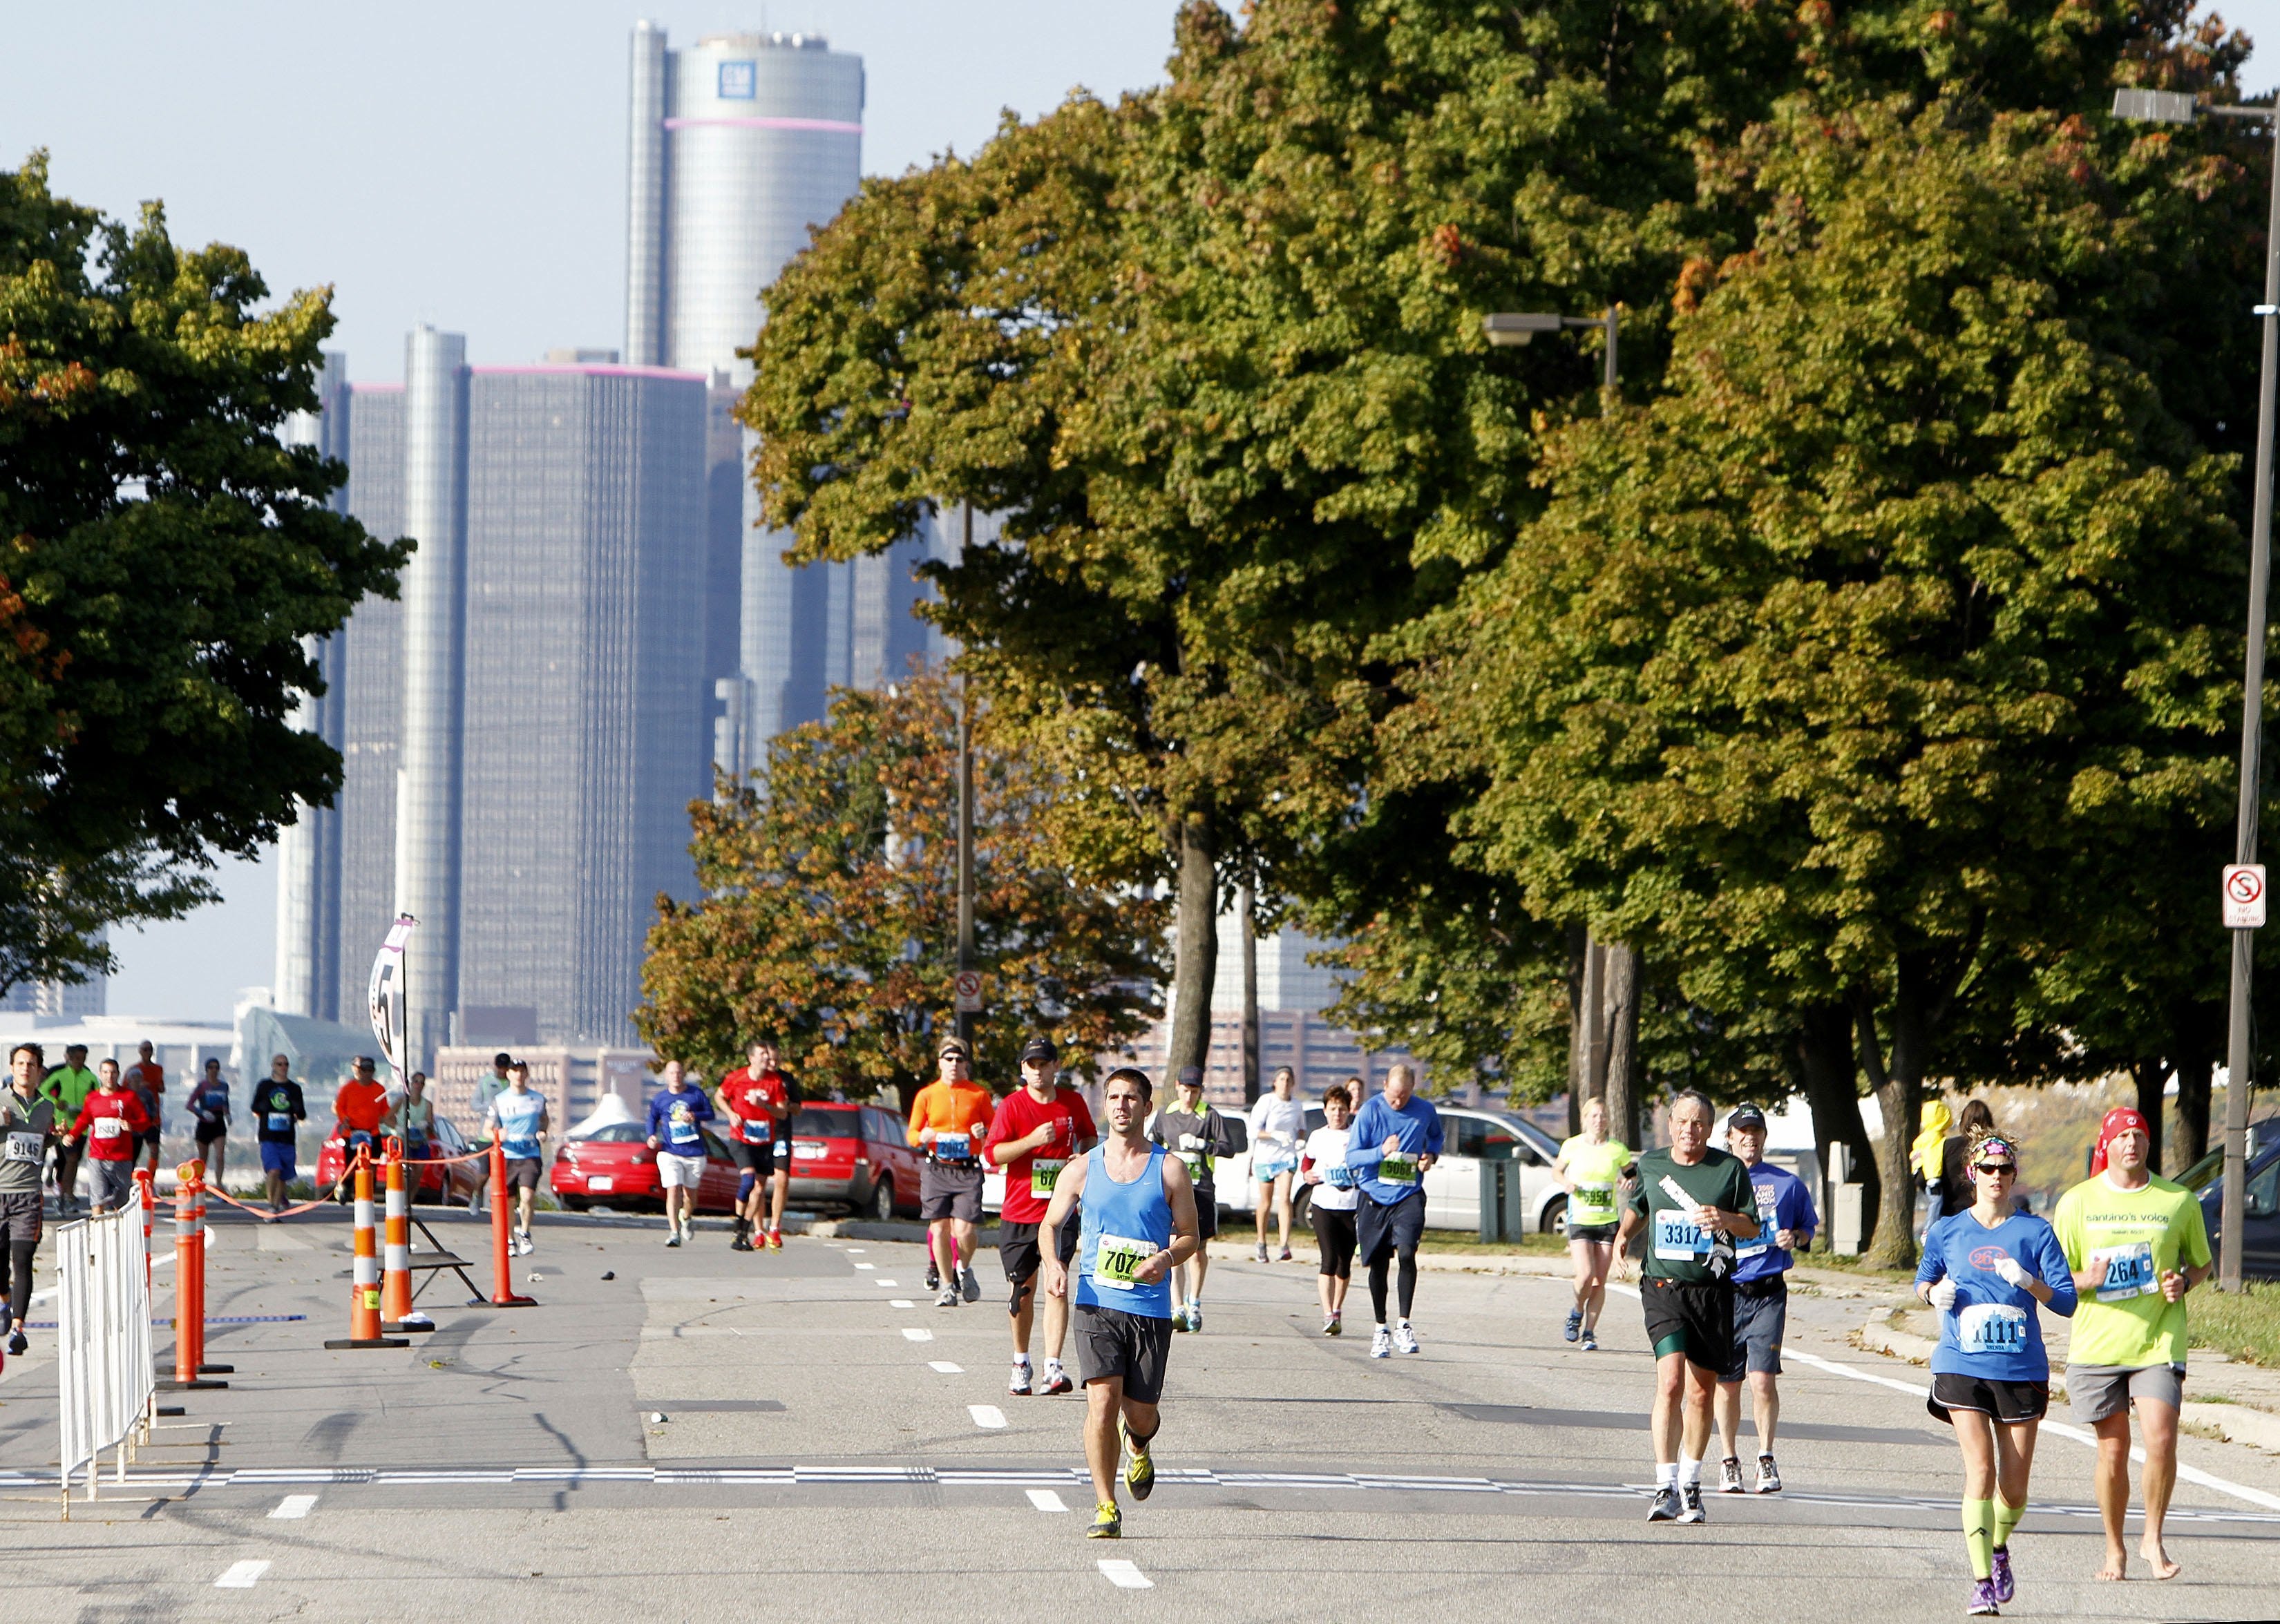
(1140, 1476)
(1107, 1522)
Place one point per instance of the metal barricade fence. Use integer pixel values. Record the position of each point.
(103, 1359)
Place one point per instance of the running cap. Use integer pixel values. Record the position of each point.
(74, 1048)
(2120, 1120)
(1039, 1049)
(502, 1058)
(1192, 1076)
(364, 1063)
(1746, 1116)
(952, 1046)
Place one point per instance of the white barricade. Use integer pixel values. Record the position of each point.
(103, 1340)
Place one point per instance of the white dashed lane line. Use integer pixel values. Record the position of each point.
(912, 1333)
(902, 1301)
(1046, 1500)
(241, 1575)
(945, 1368)
(889, 1284)
(1125, 1575)
(867, 1266)
(294, 1505)
(986, 1415)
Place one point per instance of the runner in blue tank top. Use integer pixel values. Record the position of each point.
(1139, 1225)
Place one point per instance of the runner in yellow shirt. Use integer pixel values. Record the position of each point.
(1591, 1165)
(2136, 1244)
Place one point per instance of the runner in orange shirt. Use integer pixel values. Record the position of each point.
(358, 1109)
(948, 1119)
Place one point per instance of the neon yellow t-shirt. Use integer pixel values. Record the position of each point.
(1596, 1169)
(2133, 1237)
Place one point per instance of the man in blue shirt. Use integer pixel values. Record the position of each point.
(520, 1120)
(676, 1133)
(1762, 1266)
(1395, 1140)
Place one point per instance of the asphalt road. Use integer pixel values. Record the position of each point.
(836, 1448)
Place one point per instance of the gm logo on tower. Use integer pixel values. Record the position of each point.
(739, 81)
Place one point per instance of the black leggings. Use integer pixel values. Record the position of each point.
(1408, 1282)
(1333, 1234)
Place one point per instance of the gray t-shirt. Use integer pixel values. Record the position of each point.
(28, 1129)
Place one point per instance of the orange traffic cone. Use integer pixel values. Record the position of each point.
(363, 1286)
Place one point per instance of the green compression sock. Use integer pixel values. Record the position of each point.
(1979, 1536)
(2006, 1518)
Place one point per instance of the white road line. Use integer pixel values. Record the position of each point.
(241, 1575)
(946, 1367)
(2191, 1474)
(913, 1334)
(889, 1284)
(855, 1252)
(1125, 1575)
(986, 1415)
(902, 1301)
(867, 1266)
(294, 1505)
(1046, 1500)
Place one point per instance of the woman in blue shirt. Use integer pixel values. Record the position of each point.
(1987, 1270)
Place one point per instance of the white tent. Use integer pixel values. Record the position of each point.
(611, 1109)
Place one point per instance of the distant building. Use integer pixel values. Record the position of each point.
(57, 1000)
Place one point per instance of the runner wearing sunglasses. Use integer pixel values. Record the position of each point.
(1987, 1270)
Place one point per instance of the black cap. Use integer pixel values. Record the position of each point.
(952, 1045)
(1192, 1076)
(1040, 1049)
(1746, 1116)
(364, 1063)
(502, 1058)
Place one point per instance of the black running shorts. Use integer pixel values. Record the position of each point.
(1112, 1342)
(2008, 1401)
(1697, 1321)
(1379, 1231)
(522, 1172)
(759, 1159)
(1018, 1253)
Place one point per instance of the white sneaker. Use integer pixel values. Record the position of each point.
(1262, 1251)
(1381, 1344)
(1404, 1340)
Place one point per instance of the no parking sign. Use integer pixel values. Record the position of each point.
(2244, 896)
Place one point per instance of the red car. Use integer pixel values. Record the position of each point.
(614, 1167)
(457, 1181)
(855, 1156)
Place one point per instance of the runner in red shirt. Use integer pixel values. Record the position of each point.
(146, 1079)
(109, 1123)
(1039, 1127)
(756, 1099)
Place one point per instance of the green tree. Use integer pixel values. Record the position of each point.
(829, 913)
(163, 558)
(1819, 671)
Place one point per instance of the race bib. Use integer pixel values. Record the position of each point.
(1338, 1175)
(758, 1130)
(1991, 1327)
(280, 1122)
(1399, 1168)
(23, 1147)
(2127, 1272)
(1678, 1239)
(1199, 1164)
(109, 1128)
(1595, 1204)
(681, 1127)
(1043, 1174)
(953, 1146)
(1117, 1259)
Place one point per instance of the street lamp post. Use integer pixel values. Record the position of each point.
(966, 821)
(2175, 107)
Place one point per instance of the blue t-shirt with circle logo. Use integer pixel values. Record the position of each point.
(1993, 1331)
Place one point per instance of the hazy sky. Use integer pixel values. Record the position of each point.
(464, 165)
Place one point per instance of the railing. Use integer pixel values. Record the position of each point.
(103, 1341)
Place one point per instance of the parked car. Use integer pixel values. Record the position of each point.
(445, 1183)
(858, 1158)
(614, 1167)
(1470, 1134)
(2260, 1251)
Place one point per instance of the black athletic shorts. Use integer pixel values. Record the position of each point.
(752, 1157)
(146, 1144)
(1206, 1213)
(1017, 1251)
(20, 1221)
(949, 1189)
(208, 1132)
(1696, 1320)
(1604, 1234)
(1381, 1231)
(522, 1172)
(1112, 1342)
(2008, 1401)
(1333, 1232)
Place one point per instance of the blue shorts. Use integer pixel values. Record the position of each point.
(277, 1157)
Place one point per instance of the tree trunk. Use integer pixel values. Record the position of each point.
(2151, 1078)
(2195, 1072)
(1825, 1061)
(1900, 1097)
(1625, 1083)
(1250, 995)
(1195, 951)
(1579, 1027)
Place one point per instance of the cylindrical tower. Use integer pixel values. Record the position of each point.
(645, 191)
(434, 610)
(764, 140)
